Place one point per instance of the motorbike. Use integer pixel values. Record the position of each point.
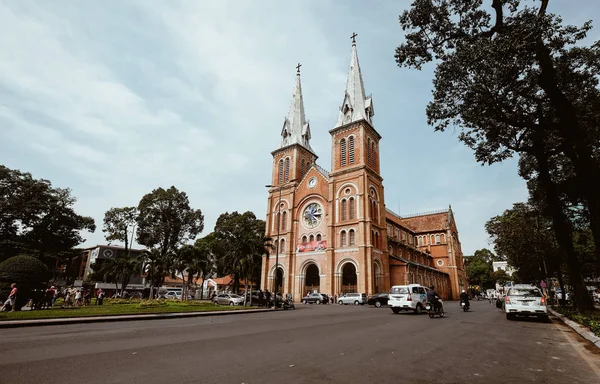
(465, 305)
(432, 311)
(288, 303)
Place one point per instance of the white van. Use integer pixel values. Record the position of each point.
(412, 297)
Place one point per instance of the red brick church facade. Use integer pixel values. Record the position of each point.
(335, 234)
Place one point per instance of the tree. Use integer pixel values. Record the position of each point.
(204, 264)
(118, 222)
(194, 261)
(501, 277)
(240, 239)
(36, 218)
(513, 82)
(117, 270)
(521, 235)
(479, 268)
(27, 272)
(165, 222)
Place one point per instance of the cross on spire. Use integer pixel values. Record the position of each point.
(298, 68)
(353, 37)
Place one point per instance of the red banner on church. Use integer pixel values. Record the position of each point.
(312, 246)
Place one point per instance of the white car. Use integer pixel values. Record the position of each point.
(525, 300)
(228, 299)
(353, 298)
(412, 297)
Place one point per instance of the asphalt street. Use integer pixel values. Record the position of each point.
(313, 344)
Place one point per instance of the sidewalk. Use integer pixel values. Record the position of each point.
(580, 329)
(108, 318)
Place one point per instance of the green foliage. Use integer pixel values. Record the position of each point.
(37, 218)
(500, 277)
(27, 272)
(23, 269)
(590, 319)
(522, 236)
(479, 268)
(153, 303)
(239, 245)
(117, 269)
(165, 222)
(118, 222)
(514, 79)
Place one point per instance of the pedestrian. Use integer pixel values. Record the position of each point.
(48, 297)
(12, 298)
(99, 296)
(268, 298)
(55, 296)
(78, 298)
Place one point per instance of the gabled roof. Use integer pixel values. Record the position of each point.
(428, 222)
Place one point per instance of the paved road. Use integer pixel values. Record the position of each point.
(314, 344)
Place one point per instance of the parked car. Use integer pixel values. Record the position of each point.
(412, 297)
(228, 299)
(353, 298)
(317, 298)
(379, 299)
(525, 300)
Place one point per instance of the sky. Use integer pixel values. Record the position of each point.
(116, 98)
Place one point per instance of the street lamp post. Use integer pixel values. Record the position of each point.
(277, 240)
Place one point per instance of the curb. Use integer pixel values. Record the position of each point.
(580, 329)
(106, 319)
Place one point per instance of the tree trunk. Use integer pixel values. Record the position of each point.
(562, 227)
(124, 283)
(577, 144)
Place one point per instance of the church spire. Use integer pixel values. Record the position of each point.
(296, 130)
(356, 105)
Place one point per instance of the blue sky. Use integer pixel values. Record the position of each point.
(113, 99)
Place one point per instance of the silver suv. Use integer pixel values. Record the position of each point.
(353, 298)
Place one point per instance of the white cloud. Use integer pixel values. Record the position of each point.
(115, 99)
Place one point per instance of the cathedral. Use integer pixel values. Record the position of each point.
(331, 230)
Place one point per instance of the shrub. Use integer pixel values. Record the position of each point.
(588, 319)
(152, 303)
(27, 272)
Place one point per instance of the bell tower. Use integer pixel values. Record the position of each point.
(357, 183)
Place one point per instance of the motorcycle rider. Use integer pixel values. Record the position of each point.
(433, 298)
(464, 298)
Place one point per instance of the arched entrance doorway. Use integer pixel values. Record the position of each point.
(377, 281)
(349, 279)
(278, 282)
(312, 280)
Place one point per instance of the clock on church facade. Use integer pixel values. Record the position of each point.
(335, 233)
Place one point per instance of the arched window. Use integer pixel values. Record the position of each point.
(282, 248)
(343, 239)
(443, 238)
(343, 152)
(373, 154)
(420, 240)
(431, 239)
(351, 237)
(352, 208)
(372, 237)
(280, 171)
(287, 169)
(377, 240)
(351, 150)
(302, 165)
(284, 221)
(371, 208)
(304, 239)
(369, 151)
(344, 209)
(318, 237)
(437, 239)
(311, 238)
(374, 211)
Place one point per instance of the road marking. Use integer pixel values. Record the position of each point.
(580, 350)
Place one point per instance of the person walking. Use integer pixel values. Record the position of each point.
(12, 298)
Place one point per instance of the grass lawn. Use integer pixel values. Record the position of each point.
(119, 307)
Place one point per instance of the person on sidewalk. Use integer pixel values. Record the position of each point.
(12, 298)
